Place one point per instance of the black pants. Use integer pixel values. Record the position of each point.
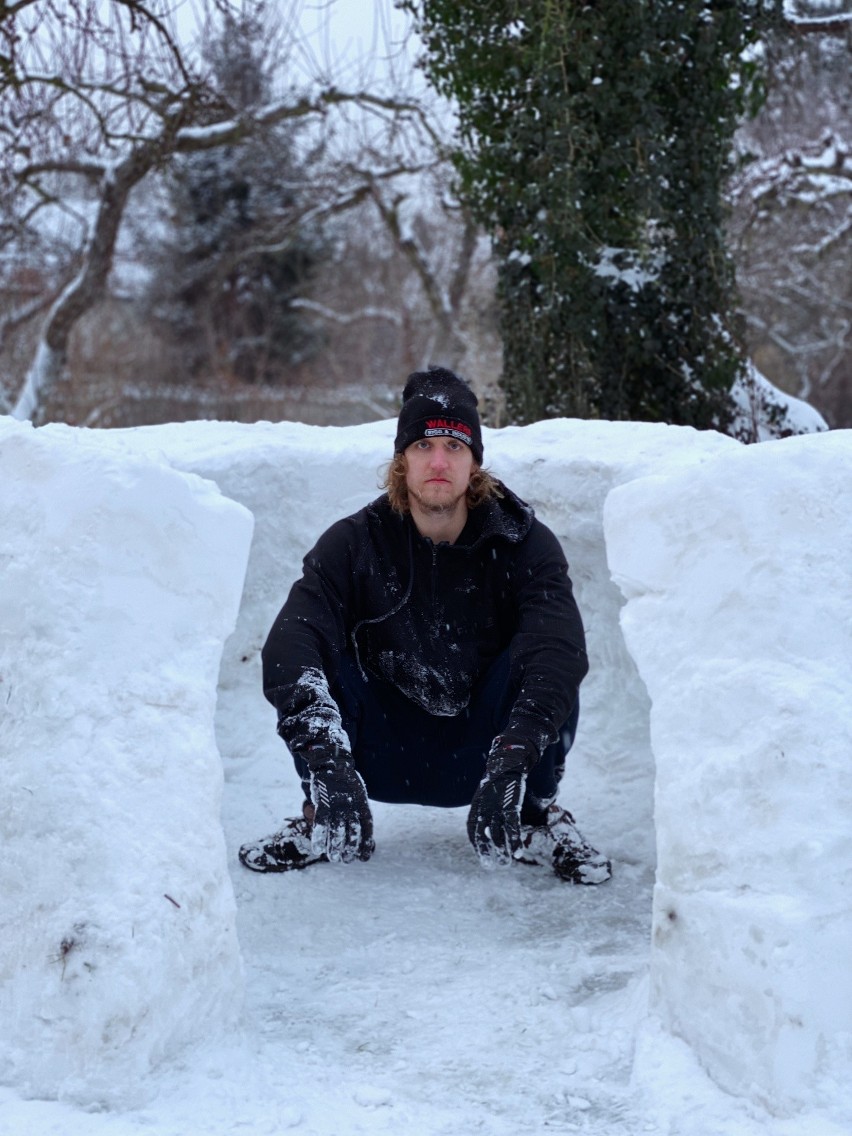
(407, 756)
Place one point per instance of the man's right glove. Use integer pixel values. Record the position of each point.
(494, 820)
(343, 824)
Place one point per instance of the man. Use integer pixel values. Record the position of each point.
(431, 653)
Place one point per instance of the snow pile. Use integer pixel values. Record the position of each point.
(739, 615)
(121, 580)
(764, 411)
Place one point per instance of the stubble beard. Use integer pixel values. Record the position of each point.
(437, 508)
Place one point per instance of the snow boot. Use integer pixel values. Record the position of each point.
(285, 850)
(557, 843)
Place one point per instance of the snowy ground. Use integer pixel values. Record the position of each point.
(417, 993)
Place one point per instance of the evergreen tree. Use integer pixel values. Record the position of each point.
(239, 251)
(594, 146)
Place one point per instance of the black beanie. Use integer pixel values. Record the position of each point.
(437, 403)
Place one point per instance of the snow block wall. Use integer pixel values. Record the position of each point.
(739, 615)
(120, 581)
(712, 577)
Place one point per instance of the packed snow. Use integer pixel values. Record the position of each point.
(739, 616)
(121, 581)
(149, 984)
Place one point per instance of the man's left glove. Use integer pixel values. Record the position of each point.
(343, 824)
(494, 820)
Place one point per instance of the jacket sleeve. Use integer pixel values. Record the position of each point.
(548, 649)
(302, 652)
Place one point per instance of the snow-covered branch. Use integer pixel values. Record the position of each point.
(836, 24)
(345, 319)
(230, 130)
(824, 167)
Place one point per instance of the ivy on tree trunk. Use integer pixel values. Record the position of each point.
(594, 145)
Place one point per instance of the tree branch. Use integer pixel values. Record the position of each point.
(346, 318)
(836, 25)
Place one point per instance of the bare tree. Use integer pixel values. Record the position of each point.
(97, 98)
(792, 214)
(410, 282)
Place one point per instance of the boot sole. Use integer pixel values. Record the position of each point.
(259, 857)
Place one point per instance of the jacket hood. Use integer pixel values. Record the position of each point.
(508, 517)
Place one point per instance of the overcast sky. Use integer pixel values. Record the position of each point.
(355, 40)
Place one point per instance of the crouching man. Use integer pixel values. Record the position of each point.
(431, 654)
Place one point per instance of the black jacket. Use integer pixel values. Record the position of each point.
(430, 619)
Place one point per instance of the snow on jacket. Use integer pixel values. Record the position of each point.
(430, 619)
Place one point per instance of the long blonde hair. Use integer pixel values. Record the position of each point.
(481, 487)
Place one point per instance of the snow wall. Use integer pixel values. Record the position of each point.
(738, 580)
(297, 479)
(121, 580)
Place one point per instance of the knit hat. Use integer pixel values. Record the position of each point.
(437, 403)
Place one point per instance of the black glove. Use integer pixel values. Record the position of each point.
(494, 820)
(343, 824)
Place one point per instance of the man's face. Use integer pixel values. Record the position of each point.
(437, 473)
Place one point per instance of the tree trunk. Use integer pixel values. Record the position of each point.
(86, 289)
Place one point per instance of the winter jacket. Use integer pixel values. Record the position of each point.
(430, 619)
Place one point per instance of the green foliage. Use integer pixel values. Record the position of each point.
(594, 141)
